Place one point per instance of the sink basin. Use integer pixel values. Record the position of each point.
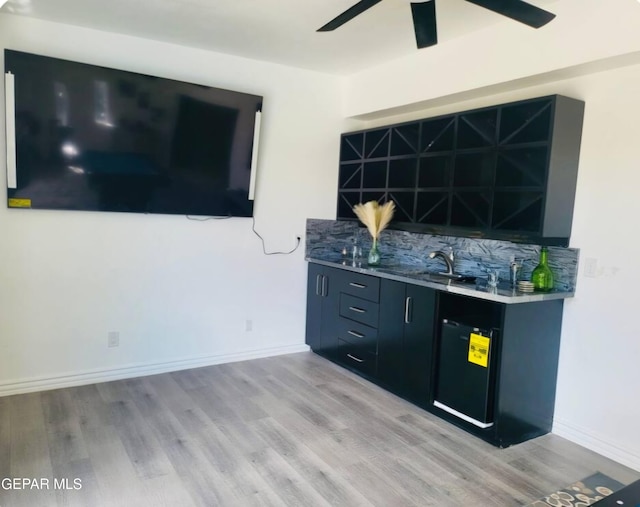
(449, 277)
(432, 276)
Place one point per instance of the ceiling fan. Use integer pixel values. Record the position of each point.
(424, 16)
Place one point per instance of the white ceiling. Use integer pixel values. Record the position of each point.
(281, 31)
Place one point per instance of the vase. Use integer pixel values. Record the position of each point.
(374, 254)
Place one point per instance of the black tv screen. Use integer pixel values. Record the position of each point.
(99, 139)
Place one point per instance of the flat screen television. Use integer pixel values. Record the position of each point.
(84, 137)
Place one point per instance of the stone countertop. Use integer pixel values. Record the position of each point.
(504, 293)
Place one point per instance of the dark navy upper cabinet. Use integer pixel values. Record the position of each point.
(503, 172)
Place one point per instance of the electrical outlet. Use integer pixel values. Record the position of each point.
(248, 325)
(591, 267)
(113, 339)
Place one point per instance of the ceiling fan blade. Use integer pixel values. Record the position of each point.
(424, 23)
(348, 15)
(518, 10)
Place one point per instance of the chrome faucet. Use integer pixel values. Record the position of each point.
(447, 257)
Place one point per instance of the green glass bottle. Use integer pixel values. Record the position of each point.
(542, 276)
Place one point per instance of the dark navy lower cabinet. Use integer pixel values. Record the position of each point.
(323, 299)
(342, 317)
(405, 339)
(391, 333)
(516, 392)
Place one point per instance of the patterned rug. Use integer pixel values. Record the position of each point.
(582, 493)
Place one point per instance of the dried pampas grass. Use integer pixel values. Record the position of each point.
(374, 216)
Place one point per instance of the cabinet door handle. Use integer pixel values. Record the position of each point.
(357, 285)
(354, 333)
(357, 359)
(407, 310)
(324, 286)
(357, 310)
(318, 285)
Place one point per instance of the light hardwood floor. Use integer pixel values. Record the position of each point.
(290, 430)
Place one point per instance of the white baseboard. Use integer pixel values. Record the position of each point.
(596, 443)
(138, 370)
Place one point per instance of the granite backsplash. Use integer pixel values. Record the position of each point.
(326, 239)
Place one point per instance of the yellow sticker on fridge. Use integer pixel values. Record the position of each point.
(19, 203)
(479, 349)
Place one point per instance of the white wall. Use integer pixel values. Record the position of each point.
(599, 377)
(580, 34)
(178, 291)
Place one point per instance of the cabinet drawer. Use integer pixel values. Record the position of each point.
(358, 334)
(362, 286)
(356, 357)
(358, 309)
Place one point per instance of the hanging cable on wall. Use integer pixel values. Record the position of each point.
(264, 250)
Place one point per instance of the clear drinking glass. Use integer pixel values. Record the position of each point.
(493, 278)
(356, 250)
(514, 271)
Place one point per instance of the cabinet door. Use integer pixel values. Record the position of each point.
(315, 286)
(405, 339)
(323, 307)
(417, 354)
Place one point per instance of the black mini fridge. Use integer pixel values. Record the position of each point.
(464, 380)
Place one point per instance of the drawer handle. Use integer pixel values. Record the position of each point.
(357, 310)
(357, 285)
(356, 359)
(357, 335)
